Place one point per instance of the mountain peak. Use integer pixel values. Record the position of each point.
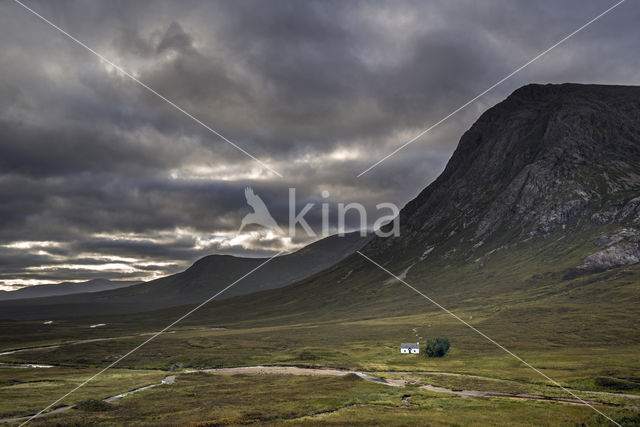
(568, 92)
(545, 157)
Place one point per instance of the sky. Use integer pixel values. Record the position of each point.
(101, 178)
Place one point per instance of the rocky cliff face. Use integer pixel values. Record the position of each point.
(548, 156)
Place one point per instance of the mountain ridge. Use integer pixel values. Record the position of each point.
(65, 288)
(200, 281)
(540, 158)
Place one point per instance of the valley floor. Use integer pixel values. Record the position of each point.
(340, 373)
(581, 332)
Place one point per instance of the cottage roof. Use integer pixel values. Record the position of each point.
(409, 345)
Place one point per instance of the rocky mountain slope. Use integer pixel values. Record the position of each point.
(548, 157)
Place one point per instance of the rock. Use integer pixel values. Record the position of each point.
(625, 234)
(613, 256)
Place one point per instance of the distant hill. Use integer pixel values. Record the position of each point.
(200, 281)
(65, 288)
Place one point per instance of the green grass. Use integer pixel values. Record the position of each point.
(27, 391)
(444, 411)
(236, 399)
(281, 399)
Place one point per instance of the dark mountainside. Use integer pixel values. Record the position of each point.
(65, 288)
(194, 285)
(548, 157)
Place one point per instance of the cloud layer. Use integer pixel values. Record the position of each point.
(100, 178)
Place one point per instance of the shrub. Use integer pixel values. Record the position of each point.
(437, 347)
(614, 383)
(307, 355)
(628, 420)
(93, 405)
(351, 377)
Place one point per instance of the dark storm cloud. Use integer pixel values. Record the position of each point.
(94, 166)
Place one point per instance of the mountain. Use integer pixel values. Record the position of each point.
(65, 288)
(199, 282)
(214, 272)
(548, 157)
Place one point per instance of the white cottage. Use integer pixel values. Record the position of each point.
(410, 348)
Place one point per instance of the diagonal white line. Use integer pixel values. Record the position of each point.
(493, 86)
(174, 105)
(488, 338)
(150, 339)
